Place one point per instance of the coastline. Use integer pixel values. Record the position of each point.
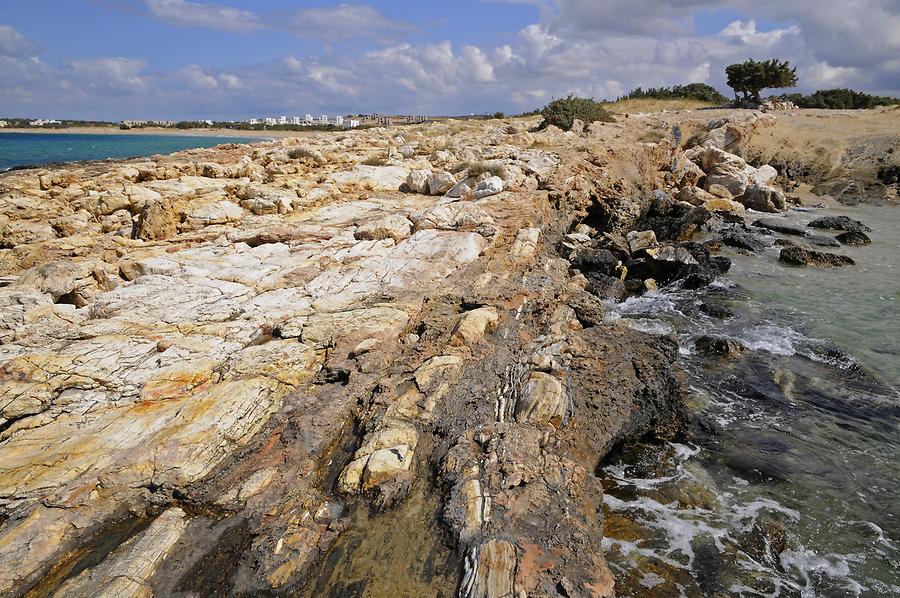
(255, 292)
(164, 131)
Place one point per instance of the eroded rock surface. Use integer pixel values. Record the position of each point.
(263, 368)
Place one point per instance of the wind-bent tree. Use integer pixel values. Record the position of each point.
(751, 77)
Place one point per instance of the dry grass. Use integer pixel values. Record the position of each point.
(375, 161)
(475, 169)
(655, 105)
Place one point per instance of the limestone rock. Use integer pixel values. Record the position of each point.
(764, 198)
(543, 400)
(440, 182)
(641, 240)
(417, 181)
(393, 226)
(473, 325)
(490, 186)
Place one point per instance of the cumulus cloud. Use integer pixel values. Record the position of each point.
(117, 75)
(14, 45)
(573, 46)
(209, 16)
(347, 21)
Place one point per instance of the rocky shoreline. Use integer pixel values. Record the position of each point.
(318, 366)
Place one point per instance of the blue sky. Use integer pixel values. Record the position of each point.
(235, 58)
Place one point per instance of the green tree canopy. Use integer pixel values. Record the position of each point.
(751, 77)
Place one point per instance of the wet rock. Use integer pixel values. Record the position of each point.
(779, 226)
(490, 571)
(127, 571)
(843, 223)
(740, 238)
(607, 287)
(854, 238)
(822, 241)
(798, 256)
(720, 346)
(596, 260)
(716, 311)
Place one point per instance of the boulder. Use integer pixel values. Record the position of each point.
(853, 237)
(607, 287)
(393, 226)
(490, 186)
(641, 240)
(779, 226)
(694, 196)
(440, 182)
(843, 223)
(764, 175)
(798, 256)
(158, 220)
(764, 198)
(417, 181)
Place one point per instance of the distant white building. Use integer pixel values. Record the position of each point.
(308, 118)
(271, 122)
(41, 122)
(338, 120)
(3, 123)
(323, 119)
(254, 121)
(208, 123)
(295, 120)
(282, 120)
(350, 124)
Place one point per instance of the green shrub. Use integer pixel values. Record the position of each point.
(563, 112)
(691, 91)
(839, 99)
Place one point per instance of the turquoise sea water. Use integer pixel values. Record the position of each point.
(32, 149)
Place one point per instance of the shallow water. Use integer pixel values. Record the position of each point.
(788, 483)
(31, 149)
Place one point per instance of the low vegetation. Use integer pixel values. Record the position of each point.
(375, 161)
(564, 112)
(692, 91)
(839, 99)
(475, 169)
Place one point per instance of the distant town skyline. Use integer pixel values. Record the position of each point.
(236, 59)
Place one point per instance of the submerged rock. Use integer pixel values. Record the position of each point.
(843, 223)
(798, 256)
(854, 237)
(720, 346)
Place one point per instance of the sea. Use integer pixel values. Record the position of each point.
(788, 481)
(34, 149)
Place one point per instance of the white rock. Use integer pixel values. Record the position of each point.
(488, 187)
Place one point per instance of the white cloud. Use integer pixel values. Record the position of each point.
(346, 22)
(13, 44)
(120, 75)
(209, 16)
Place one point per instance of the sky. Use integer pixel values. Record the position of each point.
(235, 59)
